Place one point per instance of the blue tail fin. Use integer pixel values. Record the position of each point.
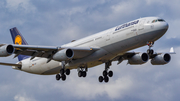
(18, 39)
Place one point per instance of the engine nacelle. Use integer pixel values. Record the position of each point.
(63, 55)
(161, 59)
(6, 50)
(138, 59)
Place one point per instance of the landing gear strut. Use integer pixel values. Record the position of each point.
(150, 51)
(63, 72)
(105, 73)
(82, 71)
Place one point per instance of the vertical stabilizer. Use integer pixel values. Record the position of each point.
(18, 39)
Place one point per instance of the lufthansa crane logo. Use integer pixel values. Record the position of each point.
(18, 40)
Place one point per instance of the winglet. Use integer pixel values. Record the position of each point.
(172, 51)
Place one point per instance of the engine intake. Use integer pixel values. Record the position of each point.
(138, 59)
(6, 50)
(161, 59)
(63, 55)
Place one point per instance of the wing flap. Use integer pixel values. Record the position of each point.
(124, 56)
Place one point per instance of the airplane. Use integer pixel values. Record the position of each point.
(105, 47)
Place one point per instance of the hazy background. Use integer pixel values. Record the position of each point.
(56, 22)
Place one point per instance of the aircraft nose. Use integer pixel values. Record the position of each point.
(165, 25)
(162, 26)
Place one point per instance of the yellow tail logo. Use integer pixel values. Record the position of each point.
(18, 40)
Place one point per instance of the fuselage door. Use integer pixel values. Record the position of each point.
(107, 37)
(141, 24)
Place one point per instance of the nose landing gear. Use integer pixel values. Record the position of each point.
(150, 51)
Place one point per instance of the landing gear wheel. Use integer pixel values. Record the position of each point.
(58, 77)
(110, 73)
(80, 73)
(67, 71)
(63, 77)
(84, 74)
(101, 79)
(150, 51)
(106, 79)
(105, 73)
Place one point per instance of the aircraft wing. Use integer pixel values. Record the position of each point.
(46, 51)
(172, 51)
(129, 55)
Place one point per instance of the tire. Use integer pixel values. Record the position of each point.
(58, 77)
(110, 73)
(68, 71)
(104, 73)
(84, 74)
(106, 79)
(101, 79)
(63, 77)
(150, 51)
(80, 73)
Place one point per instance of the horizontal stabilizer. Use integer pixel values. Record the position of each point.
(10, 64)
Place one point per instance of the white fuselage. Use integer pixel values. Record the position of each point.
(112, 42)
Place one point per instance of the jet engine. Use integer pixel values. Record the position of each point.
(161, 59)
(138, 59)
(63, 55)
(6, 50)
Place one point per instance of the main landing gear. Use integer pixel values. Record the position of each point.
(105, 73)
(150, 51)
(82, 71)
(63, 72)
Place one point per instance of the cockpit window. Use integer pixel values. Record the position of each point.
(158, 20)
(154, 21)
(161, 20)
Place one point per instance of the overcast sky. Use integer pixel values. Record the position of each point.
(56, 22)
